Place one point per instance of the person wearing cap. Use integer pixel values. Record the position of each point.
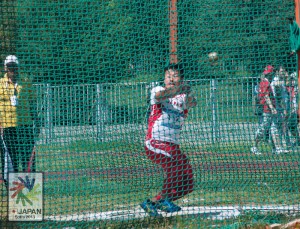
(258, 107)
(292, 108)
(169, 109)
(269, 70)
(269, 114)
(17, 116)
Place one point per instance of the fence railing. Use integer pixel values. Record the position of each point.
(219, 100)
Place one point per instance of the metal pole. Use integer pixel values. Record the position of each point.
(100, 113)
(213, 88)
(49, 112)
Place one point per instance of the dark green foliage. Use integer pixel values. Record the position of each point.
(108, 41)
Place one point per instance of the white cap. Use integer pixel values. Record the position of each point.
(11, 58)
(293, 75)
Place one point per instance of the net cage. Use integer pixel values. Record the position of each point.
(79, 104)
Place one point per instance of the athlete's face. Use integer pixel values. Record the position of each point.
(172, 78)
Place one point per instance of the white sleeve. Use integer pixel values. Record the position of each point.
(273, 84)
(153, 92)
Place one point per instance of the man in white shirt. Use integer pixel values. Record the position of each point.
(281, 98)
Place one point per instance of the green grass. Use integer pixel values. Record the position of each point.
(88, 176)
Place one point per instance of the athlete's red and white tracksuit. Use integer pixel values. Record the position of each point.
(162, 144)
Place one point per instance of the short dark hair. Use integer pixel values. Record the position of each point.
(177, 67)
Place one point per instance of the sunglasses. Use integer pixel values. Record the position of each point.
(12, 69)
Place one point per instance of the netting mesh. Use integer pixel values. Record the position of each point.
(93, 64)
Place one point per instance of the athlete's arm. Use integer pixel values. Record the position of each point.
(265, 90)
(171, 92)
(269, 103)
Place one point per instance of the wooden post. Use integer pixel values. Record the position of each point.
(173, 19)
(297, 15)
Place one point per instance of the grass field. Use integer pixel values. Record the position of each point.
(91, 177)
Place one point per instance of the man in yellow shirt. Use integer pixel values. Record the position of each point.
(17, 116)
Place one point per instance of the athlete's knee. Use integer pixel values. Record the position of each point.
(189, 177)
(188, 170)
(188, 185)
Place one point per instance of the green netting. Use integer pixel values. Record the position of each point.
(92, 65)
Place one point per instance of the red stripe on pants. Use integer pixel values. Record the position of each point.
(179, 174)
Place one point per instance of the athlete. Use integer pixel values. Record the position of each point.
(169, 108)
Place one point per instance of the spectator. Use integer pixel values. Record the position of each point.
(281, 102)
(269, 115)
(17, 113)
(258, 107)
(292, 108)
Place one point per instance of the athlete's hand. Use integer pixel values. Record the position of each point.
(273, 111)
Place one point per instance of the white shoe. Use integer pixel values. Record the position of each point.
(279, 150)
(255, 151)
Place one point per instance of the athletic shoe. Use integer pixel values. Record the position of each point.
(279, 150)
(255, 151)
(167, 206)
(149, 207)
